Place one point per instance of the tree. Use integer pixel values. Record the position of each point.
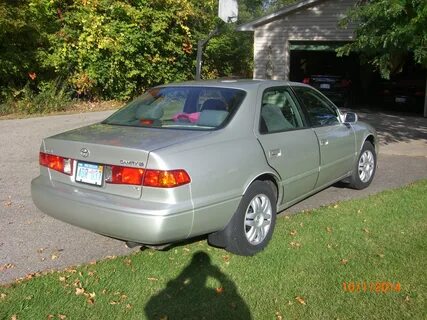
(19, 39)
(388, 32)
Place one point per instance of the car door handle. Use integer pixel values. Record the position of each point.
(324, 142)
(275, 153)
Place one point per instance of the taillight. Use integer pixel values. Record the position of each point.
(61, 164)
(146, 122)
(306, 80)
(123, 175)
(166, 179)
(148, 178)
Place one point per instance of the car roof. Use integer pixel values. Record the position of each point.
(244, 84)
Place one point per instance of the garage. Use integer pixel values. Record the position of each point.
(317, 64)
(298, 43)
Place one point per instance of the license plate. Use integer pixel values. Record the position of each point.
(89, 173)
(325, 86)
(400, 99)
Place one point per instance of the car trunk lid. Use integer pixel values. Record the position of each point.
(102, 144)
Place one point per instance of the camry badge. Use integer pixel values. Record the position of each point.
(84, 152)
(132, 163)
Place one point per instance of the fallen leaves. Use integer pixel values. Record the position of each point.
(219, 290)
(3, 296)
(300, 300)
(344, 261)
(295, 244)
(70, 270)
(152, 279)
(8, 202)
(80, 291)
(278, 315)
(293, 233)
(59, 316)
(120, 299)
(6, 266)
(328, 229)
(226, 259)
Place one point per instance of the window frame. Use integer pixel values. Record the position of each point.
(330, 105)
(305, 123)
(220, 127)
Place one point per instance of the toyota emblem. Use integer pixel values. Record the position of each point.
(84, 152)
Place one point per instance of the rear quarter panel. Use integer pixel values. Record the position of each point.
(219, 171)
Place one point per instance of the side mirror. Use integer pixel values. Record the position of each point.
(350, 117)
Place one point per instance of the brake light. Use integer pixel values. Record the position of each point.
(146, 122)
(61, 164)
(149, 178)
(306, 80)
(123, 175)
(166, 179)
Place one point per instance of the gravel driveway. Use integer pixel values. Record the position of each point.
(31, 241)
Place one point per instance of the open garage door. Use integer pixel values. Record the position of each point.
(317, 64)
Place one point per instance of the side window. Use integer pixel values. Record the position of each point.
(279, 111)
(320, 111)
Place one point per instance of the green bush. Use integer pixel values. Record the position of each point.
(111, 49)
(51, 96)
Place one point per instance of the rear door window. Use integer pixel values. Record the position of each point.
(279, 111)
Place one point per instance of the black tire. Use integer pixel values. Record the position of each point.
(234, 237)
(357, 180)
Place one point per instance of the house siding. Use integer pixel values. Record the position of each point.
(318, 22)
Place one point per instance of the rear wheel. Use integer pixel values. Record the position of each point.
(365, 167)
(251, 227)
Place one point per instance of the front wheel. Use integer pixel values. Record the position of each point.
(365, 168)
(252, 225)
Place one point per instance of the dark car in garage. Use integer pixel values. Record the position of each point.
(335, 87)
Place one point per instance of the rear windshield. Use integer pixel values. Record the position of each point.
(194, 108)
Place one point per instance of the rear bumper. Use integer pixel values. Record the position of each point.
(117, 217)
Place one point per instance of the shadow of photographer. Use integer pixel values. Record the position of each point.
(188, 297)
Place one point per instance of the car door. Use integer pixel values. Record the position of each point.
(289, 144)
(336, 139)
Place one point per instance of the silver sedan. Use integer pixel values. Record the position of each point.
(216, 158)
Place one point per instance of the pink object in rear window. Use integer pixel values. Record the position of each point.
(192, 117)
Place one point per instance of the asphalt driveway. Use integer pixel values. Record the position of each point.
(31, 241)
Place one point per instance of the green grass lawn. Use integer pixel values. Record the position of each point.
(381, 239)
